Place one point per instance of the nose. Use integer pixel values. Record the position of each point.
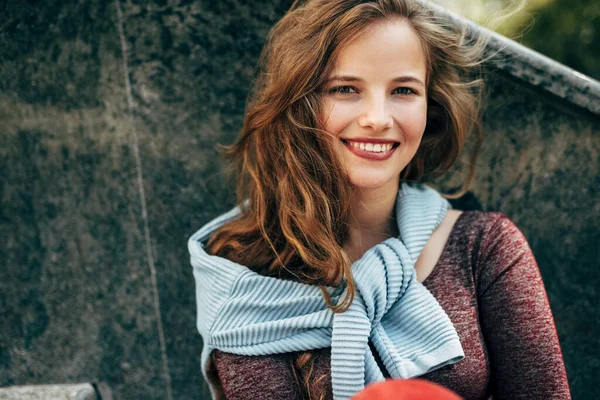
(376, 115)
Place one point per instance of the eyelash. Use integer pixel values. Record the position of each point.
(337, 89)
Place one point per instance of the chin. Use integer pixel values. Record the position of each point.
(373, 181)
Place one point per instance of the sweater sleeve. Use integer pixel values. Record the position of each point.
(256, 377)
(516, 319)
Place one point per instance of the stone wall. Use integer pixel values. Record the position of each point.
(109, 116)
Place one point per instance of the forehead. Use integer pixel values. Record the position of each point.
(386, 49)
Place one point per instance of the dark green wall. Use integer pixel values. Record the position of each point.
(96, 95)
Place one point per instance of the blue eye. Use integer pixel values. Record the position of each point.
(404, 91)
(342, 90)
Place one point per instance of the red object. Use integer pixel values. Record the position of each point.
(406, 389)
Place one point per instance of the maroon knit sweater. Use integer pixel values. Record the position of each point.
(490, 286)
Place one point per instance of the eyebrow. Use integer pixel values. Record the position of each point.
(400, 79)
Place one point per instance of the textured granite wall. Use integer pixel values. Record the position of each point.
(109, 113)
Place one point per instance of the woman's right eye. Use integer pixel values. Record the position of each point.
(342, 90)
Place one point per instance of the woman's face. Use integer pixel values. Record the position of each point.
(375, 105)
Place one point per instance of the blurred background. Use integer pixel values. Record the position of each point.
(110, 112)
(567, 31)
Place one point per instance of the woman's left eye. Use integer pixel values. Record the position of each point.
(403, 91)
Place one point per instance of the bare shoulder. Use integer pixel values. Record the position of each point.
(435, 245)
(450, 219)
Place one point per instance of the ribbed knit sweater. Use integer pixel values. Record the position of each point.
(489, 284)
(242, 312)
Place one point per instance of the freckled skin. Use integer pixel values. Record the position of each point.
(375, 105)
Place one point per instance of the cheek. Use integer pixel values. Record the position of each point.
(336, 117)
(413, 121)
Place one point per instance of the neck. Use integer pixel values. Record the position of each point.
(373, 219)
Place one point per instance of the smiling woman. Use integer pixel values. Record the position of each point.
(339, 268)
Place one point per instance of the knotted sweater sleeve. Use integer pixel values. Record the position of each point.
(516, 320)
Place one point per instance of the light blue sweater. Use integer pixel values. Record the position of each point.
(242, 312)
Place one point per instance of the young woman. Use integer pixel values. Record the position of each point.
(339, 268)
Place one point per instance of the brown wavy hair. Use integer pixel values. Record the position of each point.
(294, 193)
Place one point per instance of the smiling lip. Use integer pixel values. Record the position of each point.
(369, 140)
(368, 154)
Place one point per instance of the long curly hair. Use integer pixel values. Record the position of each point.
(292, 188)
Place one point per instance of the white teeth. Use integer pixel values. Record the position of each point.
(374, 148)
